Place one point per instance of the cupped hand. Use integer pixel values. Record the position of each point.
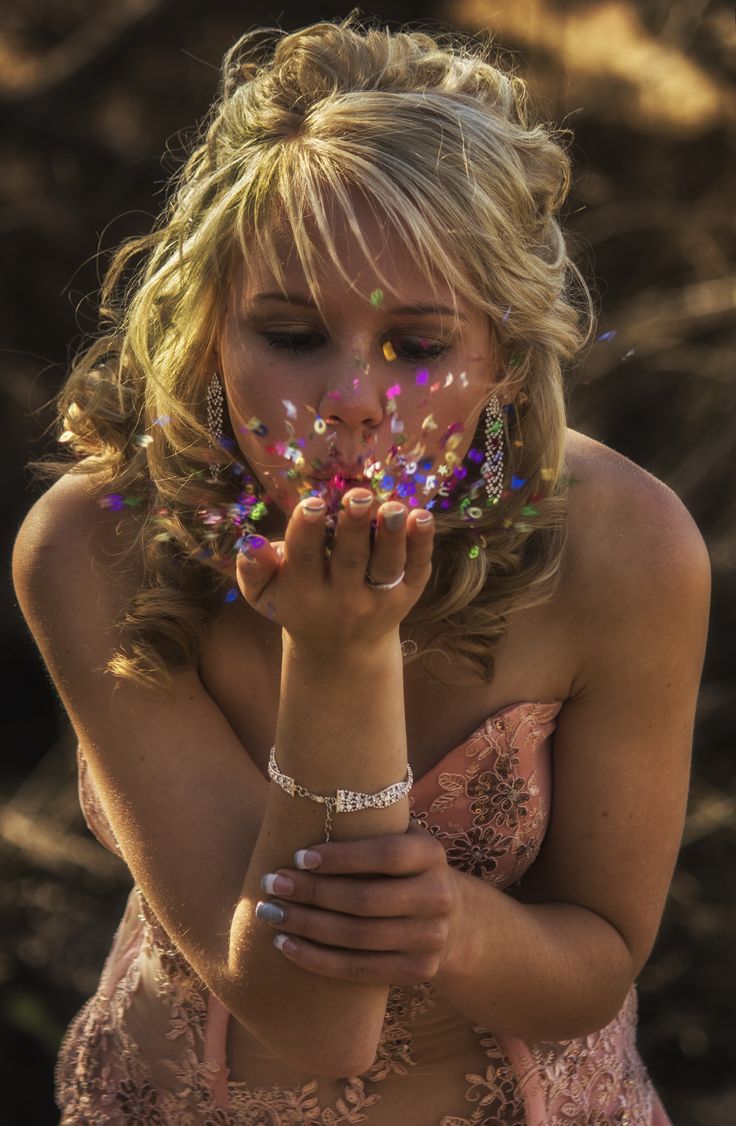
(384, 910)
(327, 601)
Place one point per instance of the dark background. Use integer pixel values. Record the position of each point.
(92, 94)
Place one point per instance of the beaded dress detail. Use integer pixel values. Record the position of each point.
(150, 1047)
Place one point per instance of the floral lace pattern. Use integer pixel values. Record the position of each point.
(487, 801)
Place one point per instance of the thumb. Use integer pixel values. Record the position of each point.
(256, 564)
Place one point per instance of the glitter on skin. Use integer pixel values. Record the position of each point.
(388, 351)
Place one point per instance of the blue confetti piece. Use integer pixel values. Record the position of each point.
(387, 482)
(475, 455)
(517, 482)
(231, 595)
(607, 335)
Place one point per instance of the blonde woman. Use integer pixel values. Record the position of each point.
(327, 535)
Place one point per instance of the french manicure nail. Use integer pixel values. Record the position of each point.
(424, 518)
(393, 518)
(305, 859)
(360, 504)
(283, 942)
(270, 912)
(273, 883)
(313, 509)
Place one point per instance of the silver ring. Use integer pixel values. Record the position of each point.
(384, 586)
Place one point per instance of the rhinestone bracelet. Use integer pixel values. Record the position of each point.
(344, 801)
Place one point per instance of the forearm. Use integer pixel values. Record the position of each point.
(341, 724)
(547, 971)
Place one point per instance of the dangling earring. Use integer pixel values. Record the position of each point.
(215, 407)
(492, 467)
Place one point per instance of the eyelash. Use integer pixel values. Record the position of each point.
(301, 343)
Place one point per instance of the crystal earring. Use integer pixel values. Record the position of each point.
(492, 467)
(215, 408)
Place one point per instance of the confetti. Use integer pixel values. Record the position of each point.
(320, 425)
(394, 391)
(232, 594)
(529, 510)
(397, 425)
(517, 482)
(429, 423)
(67, 436)
(476, 456)
(463, 379)
(475, 513)
(448, 379)
(290, 408)
(162, 420)
(388, 350)
(606, 336)
(547, 474)
(143, 440)
(377, 298)
(422, 376)
(474, 551)
(506, 315)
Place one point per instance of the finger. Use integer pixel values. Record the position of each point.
(388, 557)
(358, 966)
(390, 897)
(351, 548)
(257, 562)
(394, 854)
(304, 541)
(419, 547)
(351, 932)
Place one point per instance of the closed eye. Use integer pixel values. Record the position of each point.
(298, 342)
(417, 348)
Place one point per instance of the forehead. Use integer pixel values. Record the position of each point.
(360, 255)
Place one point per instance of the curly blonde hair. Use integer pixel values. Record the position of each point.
(302, 120)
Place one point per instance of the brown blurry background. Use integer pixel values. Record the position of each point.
(96, 97)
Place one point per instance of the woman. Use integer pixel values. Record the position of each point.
(327, 530)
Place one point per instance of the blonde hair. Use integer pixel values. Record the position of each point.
(303, 121)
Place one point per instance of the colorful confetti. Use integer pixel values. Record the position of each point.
(377, 298)
(388, 350)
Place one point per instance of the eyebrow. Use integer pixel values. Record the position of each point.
(396, 310)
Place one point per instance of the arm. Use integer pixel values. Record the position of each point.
(557, 961)
(197, 822)
(340, 724)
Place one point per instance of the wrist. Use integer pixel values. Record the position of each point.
(382, 654)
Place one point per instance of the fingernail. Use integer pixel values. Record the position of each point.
(270, 912)
(283, 942)
(359, 505)
(393, 517)
(424, 519)
(275, 884)
(255, 543)
(305, 859)
(313, 509)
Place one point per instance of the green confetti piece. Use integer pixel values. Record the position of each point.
(474, 551)
(529, 510)
(377, 298)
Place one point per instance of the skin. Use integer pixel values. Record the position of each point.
(275, 351)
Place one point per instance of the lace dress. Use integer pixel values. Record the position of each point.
(150, 1047)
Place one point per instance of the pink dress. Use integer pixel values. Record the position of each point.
(150, 1047)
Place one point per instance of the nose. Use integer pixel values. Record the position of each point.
(354, 402)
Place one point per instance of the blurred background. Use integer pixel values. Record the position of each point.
(96, 99)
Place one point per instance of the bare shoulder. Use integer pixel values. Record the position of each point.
(627, 528)
(67, 538)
